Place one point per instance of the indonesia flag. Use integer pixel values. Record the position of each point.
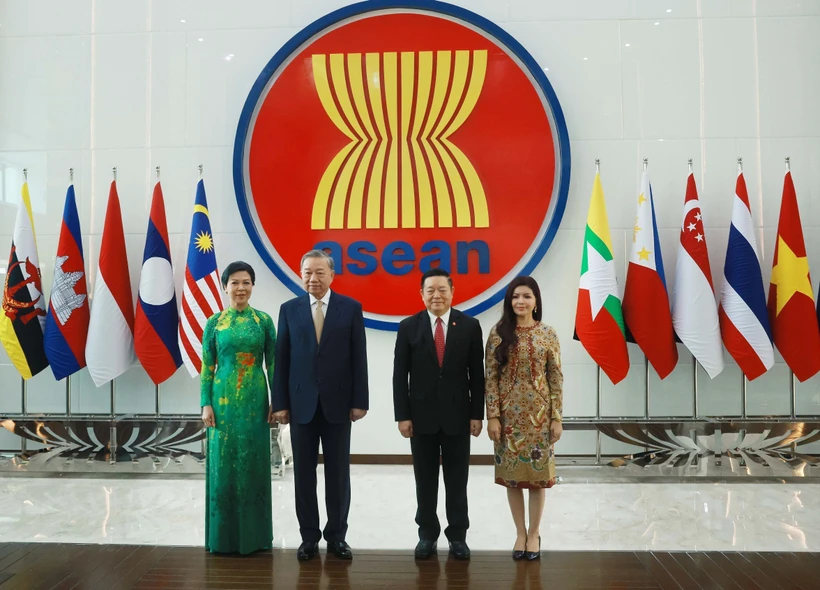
(155, 334)
(646, 303)
(744, 322)
(694, 311)
(68, 313)
(109, 351)
(201, 297)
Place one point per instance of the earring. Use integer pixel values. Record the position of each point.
(535, 310)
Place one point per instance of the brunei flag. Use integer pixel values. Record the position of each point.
(23, 316)
(599, 321)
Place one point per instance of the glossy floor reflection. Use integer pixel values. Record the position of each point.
(578, 516)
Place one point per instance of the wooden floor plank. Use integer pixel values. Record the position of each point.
(67, 566)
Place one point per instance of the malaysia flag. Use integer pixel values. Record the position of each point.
(694, 311)
(155, 331)
(68, 311)
(201, 297)
(744, 321)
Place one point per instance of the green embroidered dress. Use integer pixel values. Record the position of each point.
(238, 515)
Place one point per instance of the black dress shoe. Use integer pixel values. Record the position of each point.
(307, 551)
(340, 549)
(518, 555)
(533, 555)
(459, 550)
(425, 549)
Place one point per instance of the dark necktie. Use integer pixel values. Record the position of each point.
(439, 341)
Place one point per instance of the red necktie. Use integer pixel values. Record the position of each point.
(439, 341)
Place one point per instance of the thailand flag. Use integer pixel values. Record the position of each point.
(744, 321)
(68, 311)
(155, 331)
(109, 351)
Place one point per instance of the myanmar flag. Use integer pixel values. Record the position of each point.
(599, 322)
(791, 302)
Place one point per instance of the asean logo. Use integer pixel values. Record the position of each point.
(401, 136)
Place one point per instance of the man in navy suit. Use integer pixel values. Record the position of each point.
(320, 387)
(438, 397)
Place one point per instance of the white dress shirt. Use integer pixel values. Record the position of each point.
(445, 320)
(314, 304)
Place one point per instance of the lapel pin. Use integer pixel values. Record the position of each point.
(454, 323)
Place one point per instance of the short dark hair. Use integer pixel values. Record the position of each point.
(235, 267)
(436, 272)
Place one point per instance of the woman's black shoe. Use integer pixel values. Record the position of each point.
(533, 555)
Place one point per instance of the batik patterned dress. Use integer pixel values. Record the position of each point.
(526, 394)
(238, 478)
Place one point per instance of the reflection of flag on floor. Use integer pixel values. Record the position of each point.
(694, 311)
(646, 303)
(201, 297)
(68, 312)
(599, 322)
(791, 301)
(23, 313)
(155, 331)
(743, 319)
(110, 348)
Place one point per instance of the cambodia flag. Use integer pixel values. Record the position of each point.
(68, 312)
(155, 329)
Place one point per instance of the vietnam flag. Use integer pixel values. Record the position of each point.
(791, 301)
(646, 302)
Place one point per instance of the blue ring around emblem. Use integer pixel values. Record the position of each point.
(431, 6)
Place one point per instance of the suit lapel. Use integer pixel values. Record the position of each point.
(453, 332)
(307, 319)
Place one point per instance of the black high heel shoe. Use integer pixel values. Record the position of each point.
(533, 555)
(519, 555)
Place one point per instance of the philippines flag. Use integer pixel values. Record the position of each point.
(109, 351)
(155, 333)
(744, 321)
(694, 311)
(68, 311)
(201, 297)
(646, 303)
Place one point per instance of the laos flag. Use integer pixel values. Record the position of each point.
(155, 326)
(68, 313)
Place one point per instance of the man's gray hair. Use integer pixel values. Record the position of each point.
(318, 254)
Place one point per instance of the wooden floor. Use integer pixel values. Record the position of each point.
(41, 565)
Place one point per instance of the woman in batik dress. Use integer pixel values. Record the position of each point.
(524, 387)
(236, 411)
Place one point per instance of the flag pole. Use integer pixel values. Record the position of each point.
(646, 358)
(792, 384)
(24, 389)
(200, 171)
(743, 381)
(598, 381)
(68, 379)
(696, 410)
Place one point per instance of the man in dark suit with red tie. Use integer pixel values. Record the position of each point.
(438, 398)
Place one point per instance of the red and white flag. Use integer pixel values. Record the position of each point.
(694, 309)
(109, 351)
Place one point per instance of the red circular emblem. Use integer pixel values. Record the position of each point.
(401, 139)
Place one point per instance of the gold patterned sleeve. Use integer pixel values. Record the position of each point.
(491, 385)
(206, 375)
(555, 377)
